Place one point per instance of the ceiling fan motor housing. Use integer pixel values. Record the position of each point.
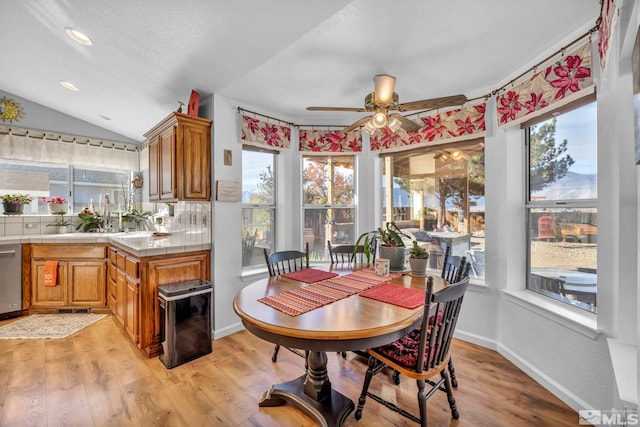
(370, 102)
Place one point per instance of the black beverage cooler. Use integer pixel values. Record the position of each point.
(185, 321)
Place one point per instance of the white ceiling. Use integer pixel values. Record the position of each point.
(276, 55)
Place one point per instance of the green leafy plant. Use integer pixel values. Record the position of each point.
(390, 235)
(135, 216)
(16, 199)
(90, 222)
(418, 252)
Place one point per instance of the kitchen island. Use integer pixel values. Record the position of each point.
(116, 272)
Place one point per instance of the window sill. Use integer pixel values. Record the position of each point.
(570, 317)
(254, 273)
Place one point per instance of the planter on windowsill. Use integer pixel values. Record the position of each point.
(58, 208)
(13, 208)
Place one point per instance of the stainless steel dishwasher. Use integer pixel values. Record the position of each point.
(10, 280)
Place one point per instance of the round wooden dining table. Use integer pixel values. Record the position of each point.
(352, 323)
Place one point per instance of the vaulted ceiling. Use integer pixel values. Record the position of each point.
(276, 55)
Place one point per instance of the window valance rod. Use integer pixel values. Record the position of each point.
(242, 110)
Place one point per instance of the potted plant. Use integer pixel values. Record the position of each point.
(137, 217)
(14, 203)
(56, 205)
(418, 258)
(391, 244)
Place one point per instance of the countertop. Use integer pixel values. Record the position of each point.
(139, 243)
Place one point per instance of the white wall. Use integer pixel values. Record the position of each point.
(571, 360)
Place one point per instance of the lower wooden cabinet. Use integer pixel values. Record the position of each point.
(81, 276)
(135, 290)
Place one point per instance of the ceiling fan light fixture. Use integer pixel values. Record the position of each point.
(394, 124)
(369, 127)
(379, 119)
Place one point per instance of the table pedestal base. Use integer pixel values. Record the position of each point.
(330, 411)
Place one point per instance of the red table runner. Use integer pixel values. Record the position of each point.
(297, 301)
(396, 295)
(309, 275)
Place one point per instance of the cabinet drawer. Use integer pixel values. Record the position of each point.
(112, 256)
(131, 267)
(121, 257)
(80, 251)
(112, 271)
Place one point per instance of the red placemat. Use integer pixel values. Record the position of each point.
(396, 295)
(309, 275)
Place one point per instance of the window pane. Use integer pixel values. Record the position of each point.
(439, 188)
(35, 180)
(334, 224)
(257, 178)
(563, 254)
(563, 240)
(328, 180)
(257, 233)
(90, 184)
(562, 157)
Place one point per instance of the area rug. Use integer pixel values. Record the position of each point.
(43, 326)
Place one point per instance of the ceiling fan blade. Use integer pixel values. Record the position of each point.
(358, 110)
(434, 103)
(357, 124)
(408, 125)
(384, 86)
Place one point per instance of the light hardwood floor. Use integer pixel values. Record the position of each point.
(97, 378)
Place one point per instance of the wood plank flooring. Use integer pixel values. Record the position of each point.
(97, 378)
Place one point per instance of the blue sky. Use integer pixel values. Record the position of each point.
(579, 128)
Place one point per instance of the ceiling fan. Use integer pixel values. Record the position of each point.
(383, 100)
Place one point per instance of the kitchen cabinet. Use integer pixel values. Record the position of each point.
(180, 159)
(126, 301)
(81, 276)
(136, 290)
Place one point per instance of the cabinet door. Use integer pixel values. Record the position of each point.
(164, 272)
(46, 296)
(121, 297)
(87, 284)
(154, 169)
(167, 170)
(194, 162)
(131, 321)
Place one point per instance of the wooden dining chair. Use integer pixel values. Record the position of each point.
(423, 353)
(285, 262)
(349, 254)
(454, 268)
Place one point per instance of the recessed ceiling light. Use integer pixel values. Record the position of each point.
(69, 86)
(78, 36)
(103, 117)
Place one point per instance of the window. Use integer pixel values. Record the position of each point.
(328, 203)
(562, 216)
(40, 180)
(439, 188)
(258, 206)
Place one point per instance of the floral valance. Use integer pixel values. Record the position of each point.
(565, 80)
(265, 134)
(330, 141)
(455, 125)
(605, 32)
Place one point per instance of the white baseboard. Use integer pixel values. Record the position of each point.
(476, 339)
(544, 380)
(231, 329)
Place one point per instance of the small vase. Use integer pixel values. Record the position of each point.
(13, 208)
(58, 208)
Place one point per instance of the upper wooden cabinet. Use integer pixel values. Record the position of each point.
(180, 159)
